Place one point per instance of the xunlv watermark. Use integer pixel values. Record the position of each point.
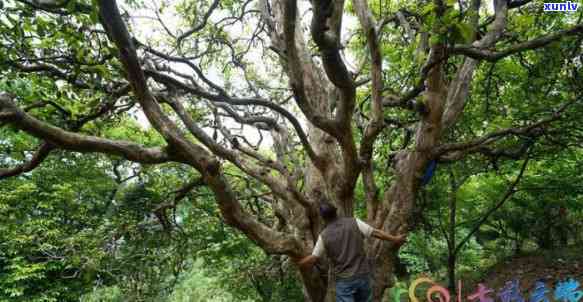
(561, 7)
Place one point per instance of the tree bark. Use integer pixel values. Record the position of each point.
(451, 250)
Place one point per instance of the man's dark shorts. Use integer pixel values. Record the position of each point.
(353, 289)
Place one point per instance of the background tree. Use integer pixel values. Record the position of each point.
(400, 107)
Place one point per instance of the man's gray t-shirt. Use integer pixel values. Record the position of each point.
(343, 242)
(365, 229)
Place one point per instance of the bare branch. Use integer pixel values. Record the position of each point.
(201, 25)
(458, 89)
(180, 194)
(509, 192)
(57, 7)
(376, 124)
(195, 155)
(223, 98)
(326, 21)
(533, 129)
(39, 156)
(51, 70)
(493, 56)
(77, 142)
(518, 3)
(297, 72)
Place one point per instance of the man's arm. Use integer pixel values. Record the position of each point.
(398, 240)
(307, 262)
(369, 231)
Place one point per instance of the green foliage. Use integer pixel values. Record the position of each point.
(104, 294)
(196, 286)
(50, 231)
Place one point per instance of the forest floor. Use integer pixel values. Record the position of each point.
(550, 266)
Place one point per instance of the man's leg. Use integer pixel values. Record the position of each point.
(345, 290)
(363, 290)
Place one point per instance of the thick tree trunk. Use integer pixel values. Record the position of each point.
(451, 245)
(319, 285)
(451, 259)
(383, 270)
(315, 285)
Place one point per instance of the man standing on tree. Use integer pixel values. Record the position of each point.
(342, 240)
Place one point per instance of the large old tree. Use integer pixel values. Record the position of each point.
(349, 94)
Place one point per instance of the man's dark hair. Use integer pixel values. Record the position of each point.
(327, 211)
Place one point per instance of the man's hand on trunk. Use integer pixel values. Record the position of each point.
(398, 240)
(304, 262)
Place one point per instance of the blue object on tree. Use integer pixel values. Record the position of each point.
(429, 171)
